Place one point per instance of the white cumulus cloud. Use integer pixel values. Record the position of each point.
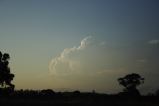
(64, 61)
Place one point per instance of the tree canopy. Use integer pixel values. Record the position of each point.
(130, 82)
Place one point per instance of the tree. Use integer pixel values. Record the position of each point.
(130, 82)
(5, 75)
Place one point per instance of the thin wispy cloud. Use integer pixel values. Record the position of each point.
(155, 41)
(102, 43)
(142, 60)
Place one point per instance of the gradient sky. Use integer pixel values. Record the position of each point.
(80, 44)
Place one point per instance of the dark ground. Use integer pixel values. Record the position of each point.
(77, 99)
(22, 102)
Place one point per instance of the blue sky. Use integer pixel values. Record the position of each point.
(124, 33)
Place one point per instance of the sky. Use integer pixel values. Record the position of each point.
(80, 44)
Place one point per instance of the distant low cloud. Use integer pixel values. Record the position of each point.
(142, 60)
(154, 41)
(102, 43)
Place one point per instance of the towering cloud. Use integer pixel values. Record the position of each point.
(63, 62)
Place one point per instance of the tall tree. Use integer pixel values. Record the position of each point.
(130, 82)
(5, 75)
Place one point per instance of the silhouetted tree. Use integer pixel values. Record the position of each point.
(130, 82)
(5, 75)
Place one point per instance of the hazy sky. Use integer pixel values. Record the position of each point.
(80, 44)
